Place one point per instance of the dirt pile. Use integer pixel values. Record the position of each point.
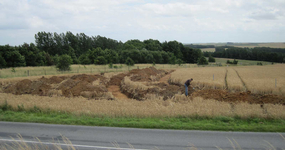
(144, 75)
(117, 79)
(140, 75)
(77, 85)
(28, 87)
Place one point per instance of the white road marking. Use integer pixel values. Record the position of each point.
(83, 146)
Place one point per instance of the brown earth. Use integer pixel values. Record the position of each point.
(84, 85)
(116, 91)
(77, 85)
(140, 75)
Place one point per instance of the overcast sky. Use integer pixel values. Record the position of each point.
(187, 21)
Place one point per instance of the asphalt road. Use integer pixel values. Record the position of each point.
(85, 137)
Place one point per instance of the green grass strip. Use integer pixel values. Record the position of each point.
(179, 123)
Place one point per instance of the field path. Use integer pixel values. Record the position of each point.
(115, 89)
(244, 85)
(165, 79)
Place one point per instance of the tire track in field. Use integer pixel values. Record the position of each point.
(226, 78)
(244, 85)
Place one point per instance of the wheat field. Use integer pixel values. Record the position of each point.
(268, 79)
(234, 83)
(175, 107)
(262, 79)
(210, 77)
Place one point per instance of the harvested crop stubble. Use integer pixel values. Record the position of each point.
(261, 79)
(203, 77)
(174, 107)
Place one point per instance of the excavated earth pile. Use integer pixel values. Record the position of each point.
(137, 84)
(77, 85)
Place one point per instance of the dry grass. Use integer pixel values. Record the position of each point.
(152, 107)
(261, 79)
(257, 79)
(233, 81)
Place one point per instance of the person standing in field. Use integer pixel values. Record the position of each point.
(187, 83)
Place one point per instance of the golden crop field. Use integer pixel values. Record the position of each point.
(233, 80)
(262, 79)
(211, 77)
(178, 106)
(257, 79)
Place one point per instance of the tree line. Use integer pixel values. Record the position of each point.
(82, 49)
(257, 53)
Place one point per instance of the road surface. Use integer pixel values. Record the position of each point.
(101, 138)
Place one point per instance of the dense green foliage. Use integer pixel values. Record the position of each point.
(257, 53)
(199, 46)
(64, 62)
(211, 59)
(235, 62)
(202, 61)
(129, 62)
(97, 50)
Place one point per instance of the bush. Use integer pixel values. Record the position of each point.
(259, 63)
(2, 62)
(83, 59)
(232, 62)
(64, 62)
(179, 62)
(212, 59)
(100, 60)
(202, 61)
(110, 65)
(129, 62)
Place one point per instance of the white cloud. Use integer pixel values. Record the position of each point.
(186, 20)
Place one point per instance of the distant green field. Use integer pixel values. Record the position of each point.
(208, 49)
(249, 45)
(241, 62)
(79, 69)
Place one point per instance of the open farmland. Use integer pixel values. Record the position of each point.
(264, 79)
(149, 92)
(79, 69)
(208, 49)
(249, 45)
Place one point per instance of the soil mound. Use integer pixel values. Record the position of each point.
(141, 75)
(117, 79)
(28, 87)
(144, 75)
(87, 78)
(69, 86)
(222, 95)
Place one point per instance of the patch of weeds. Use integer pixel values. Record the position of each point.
(5, 106)
(21, 108)
(225, 119)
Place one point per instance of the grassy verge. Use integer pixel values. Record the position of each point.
(180, 123)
